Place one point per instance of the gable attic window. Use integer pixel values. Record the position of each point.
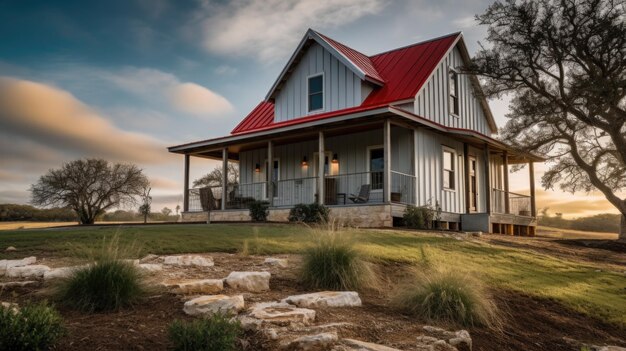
(454, 92)
(316, 93)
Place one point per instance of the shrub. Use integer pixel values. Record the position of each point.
(334, 264)
(109, 283)
(215, 333)
(449, 297)
(259, 210)
(311, 213)
(31, 327)
(422, 217)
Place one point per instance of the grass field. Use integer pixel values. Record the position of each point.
(560, 233)
(585, 287)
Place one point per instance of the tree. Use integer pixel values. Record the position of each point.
(214, 178)
(166, 211)
(564, 64)
(89, 187)
(146, 204)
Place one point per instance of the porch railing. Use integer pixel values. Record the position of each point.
(518, 204)
(402, 188)
(339, 188)
(290, 192)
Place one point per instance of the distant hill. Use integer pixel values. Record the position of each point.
(606, 223)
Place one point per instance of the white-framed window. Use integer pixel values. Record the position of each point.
(449, 164)
(376, 166)
(453, 83)
(315, 93)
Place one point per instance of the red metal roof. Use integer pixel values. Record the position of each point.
(402, 71)
(360, 60)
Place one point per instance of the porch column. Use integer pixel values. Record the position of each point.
(487, 180)
(533, 204)
(224, 177)
(387, 159)
(321, 155)
(507, 205)
(186, 186)
(270, 172)
(415, 168)
(466, 175)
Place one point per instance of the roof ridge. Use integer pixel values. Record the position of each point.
(340, 43)
(418, 43)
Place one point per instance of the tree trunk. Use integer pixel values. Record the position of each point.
(622, 228)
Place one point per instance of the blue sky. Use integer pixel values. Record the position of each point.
(124, 79)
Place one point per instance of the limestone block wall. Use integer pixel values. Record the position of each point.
(357, 216)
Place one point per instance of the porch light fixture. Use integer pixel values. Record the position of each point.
(305, 162)
(335, 159)
(257, 168)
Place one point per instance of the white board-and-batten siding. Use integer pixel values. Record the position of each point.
(342, 88)
(433, 99)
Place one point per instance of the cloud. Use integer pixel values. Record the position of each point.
(186, 97)
(55, 119)
(164, 183)
(272, 28)
(225, 70)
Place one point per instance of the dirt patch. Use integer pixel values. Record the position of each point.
(531, 323)
(610, 245)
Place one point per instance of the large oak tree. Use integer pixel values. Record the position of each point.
(89, 187)
(564, 64)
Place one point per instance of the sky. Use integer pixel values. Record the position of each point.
(124, 79)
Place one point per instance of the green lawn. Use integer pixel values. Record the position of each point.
(575, 284)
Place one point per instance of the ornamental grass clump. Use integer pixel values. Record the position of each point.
(333, 263)
(450, 297)
(110, 282)
(29, 327)
(215, 333)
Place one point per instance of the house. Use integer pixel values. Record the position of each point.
(368, 136)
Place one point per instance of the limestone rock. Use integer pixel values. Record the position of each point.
(249, 281)
(7, 285)
(62, 272)
(279, 262)
(9, 305)
(10, 248)
(32, 271)
(281, 313)
(200, 286)
(188, 260)
(6, 264)
(148, 258)
(460, 339)
(151, 267)
(318, 342)
(326, 299)
(210, 304)
(358, 345)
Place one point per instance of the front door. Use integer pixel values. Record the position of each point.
(275, 178)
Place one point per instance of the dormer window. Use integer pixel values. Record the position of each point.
(454, 92)
(316, 93)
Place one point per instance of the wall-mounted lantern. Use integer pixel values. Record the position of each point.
(335, 159)
(305, 162)
(257, 168)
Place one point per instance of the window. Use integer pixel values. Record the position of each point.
(316, 93)
(376, 167)
(449, 168)
(454, 92)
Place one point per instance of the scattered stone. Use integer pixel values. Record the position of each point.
(8, 285)
(6, 264)
(460, 339)
(62, 272)
(188, 260)
(151, 267)
(273, 261)
(148, 258)
(280, 313)
(201, 286)
(134, 262)
(358, 345)
(582, 346)
(33, 271)
(10, 248)
(249, 281)
(210, 304)
(9, 305)
(318, 342)
(326, 299)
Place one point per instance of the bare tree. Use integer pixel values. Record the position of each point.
(214, 178)
(564, 64)
(146, 204)
(166, 211)
(89, 187)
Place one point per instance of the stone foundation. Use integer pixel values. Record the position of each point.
(356, 216)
